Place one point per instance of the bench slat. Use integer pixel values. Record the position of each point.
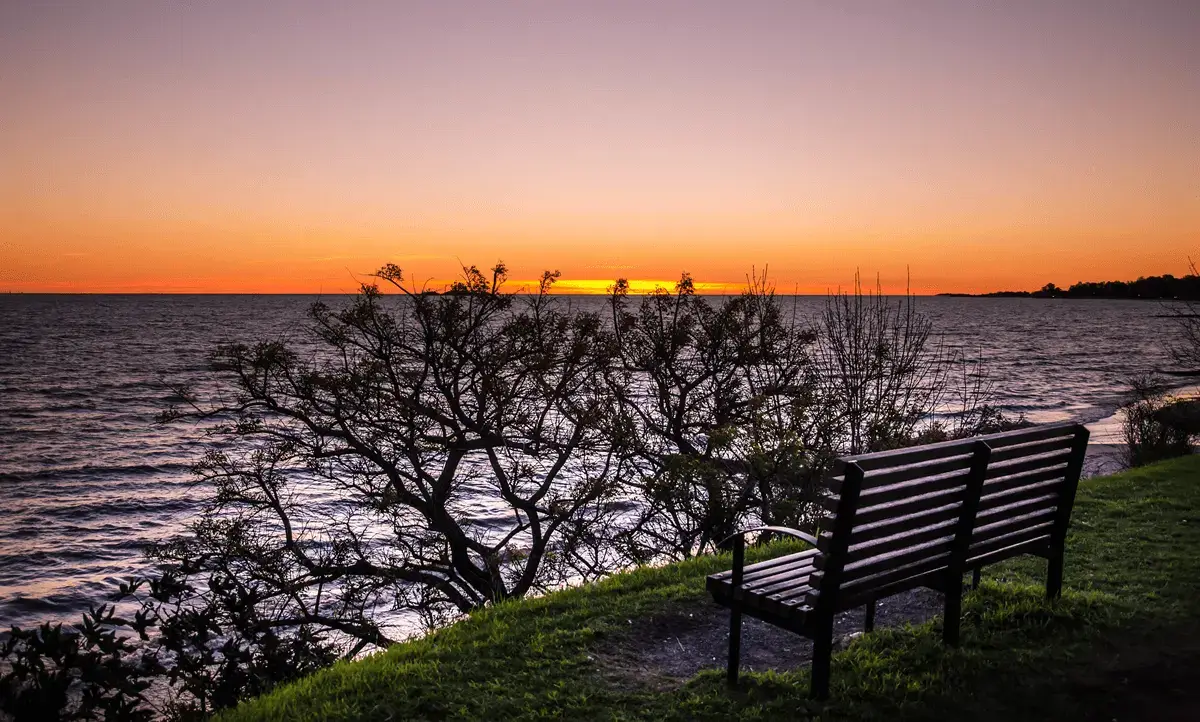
(912, 455)
(1000, 527)
(910, 522)
(893, 475)
(1015, 504)
(784, 574)
(909, 506)
(797, 578)
(1044, 461)
(906, 489)
(770, 566)
(1033, 491)
(795, 595)
(1004, 485)
(790, 602)
(1032, 546)
(1033, 433)
(930, 452)
(861, 551)
(1030, 448)
(1000, 542)
(851, 598)
(925, 568)
(899, 558)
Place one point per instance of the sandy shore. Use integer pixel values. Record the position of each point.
(1103, 459)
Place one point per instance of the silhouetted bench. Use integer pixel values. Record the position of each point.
(916, 517)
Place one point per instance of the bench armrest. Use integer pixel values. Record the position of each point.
(739, 547)
(777, 529)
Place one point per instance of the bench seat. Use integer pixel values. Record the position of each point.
(777, 587)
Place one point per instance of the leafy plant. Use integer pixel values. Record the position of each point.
(186, 650)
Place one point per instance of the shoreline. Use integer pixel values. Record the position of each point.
(1106, 445)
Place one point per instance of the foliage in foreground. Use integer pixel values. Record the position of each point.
(193, 649)
(1133, 557)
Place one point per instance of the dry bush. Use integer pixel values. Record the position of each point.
(1147, 438)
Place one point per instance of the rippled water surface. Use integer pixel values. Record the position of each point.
(87, 477)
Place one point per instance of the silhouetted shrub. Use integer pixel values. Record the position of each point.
(187, 647)
(714, 416)
(732, 410)
(427, 453)
(1147, 438)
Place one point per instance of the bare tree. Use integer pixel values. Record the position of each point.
(430, 452)
(883, 374)
(710, 392)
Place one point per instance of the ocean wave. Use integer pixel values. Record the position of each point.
(96, 472)
(106, 508)
(22, 603)
(1039, 406)
(66, 393)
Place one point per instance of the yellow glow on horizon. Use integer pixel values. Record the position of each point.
(592, 286)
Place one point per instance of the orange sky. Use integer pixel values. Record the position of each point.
(295, 147)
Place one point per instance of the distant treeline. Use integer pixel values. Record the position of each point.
(1161, 287)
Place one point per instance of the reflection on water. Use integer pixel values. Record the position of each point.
(89, 478)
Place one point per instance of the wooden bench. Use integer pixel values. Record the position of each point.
(917, 517)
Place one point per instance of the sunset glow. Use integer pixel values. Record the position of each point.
(298, 146)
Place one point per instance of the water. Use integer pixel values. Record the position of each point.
(88, 478)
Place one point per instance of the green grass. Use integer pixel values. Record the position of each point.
(1124, 636)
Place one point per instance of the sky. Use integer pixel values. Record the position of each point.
(296, 146)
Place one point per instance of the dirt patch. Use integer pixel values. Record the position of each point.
(1149, 676)
(663, 650)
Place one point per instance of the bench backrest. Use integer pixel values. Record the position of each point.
(892, 519)
(1028, 492)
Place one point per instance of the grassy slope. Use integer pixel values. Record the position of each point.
(1126, 632)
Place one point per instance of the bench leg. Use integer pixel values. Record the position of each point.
(975, 578)
(822, 657)
(869, 621)
(952, 612)
(1054, 572)
(735, 645)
